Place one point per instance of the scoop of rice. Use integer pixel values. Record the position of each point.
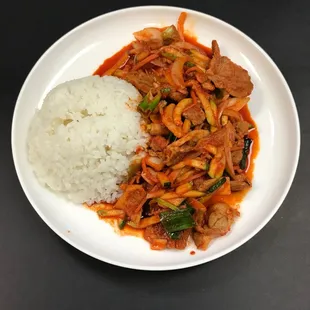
(82, 140)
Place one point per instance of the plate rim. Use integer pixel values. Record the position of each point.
(182, 265)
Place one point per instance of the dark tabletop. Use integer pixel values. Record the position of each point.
(38, 270)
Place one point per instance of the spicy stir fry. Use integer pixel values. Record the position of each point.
(199, 142)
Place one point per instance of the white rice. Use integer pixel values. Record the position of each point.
(82, 140)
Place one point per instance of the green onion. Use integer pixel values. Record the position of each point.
(144, 104)
(172, 137)
(149, 104)
(176, 220)
(122, 223)
(166, 90)
(246, 151)
(166, 204)
(189, 64)
(216, 186)
(189, 208)
(153, 104)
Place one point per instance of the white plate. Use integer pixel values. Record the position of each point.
(79, 53)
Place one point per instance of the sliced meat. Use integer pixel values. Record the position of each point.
(242, 128)
(177, 96)
(173, 156)
(237, 186)
(201, 77)
(132, 200)
(157, 232)
(241, 177)
(158, 143)
(236, 157)
(199, 218)
(160, 62)
(195, 114)
(208, 86)
(220, 217)
(216, 139)
(202, 184)
(202, 241)
(180, 244)
(226, 74)
(141, 80)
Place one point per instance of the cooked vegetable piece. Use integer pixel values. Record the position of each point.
(207, 107)
(157, 129)
(111, 213)
(180, 107)
(217, 185)
(166, 90)
(217, 164)
(164, 180)
(148, 103)
(196, 204)
(225, 189)
(177, 220)
(166, 204)
(246, 151)
(181, 189)
(156, 163)
(180, 24)
(195, 163)
(189, 64)
(145, 222)
(170, 34)
(167, 118)
(193, 194)
(122, 223)
(177, 71)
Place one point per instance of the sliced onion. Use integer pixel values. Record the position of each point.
(229, 163)
(150, 35)
(186, 46)
(233, 114)
(154, 162)
(237, 104)
(177, 71)
(221, 108)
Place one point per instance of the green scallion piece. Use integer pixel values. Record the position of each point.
(245, 153)
(216, 186)
(166, 90)
(166, 204)
(179, 220)
(189, 64)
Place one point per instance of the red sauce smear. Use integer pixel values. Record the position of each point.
(192, 252)
(109, 62)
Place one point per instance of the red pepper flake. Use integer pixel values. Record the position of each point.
(192, 253)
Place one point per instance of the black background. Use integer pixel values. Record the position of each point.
(38, 270)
